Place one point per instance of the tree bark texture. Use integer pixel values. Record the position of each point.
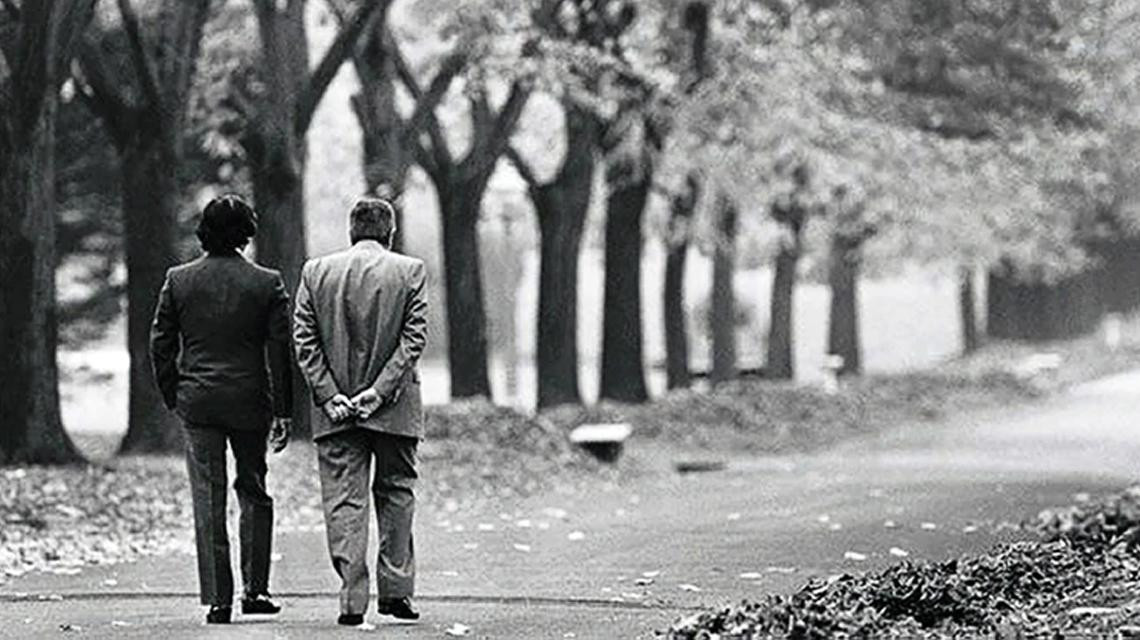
(150, 207)
(967, 307)
(466, 314)
(843, 323)
(623, 367)
(562, 206)
(677, 372)
(781, 338)
(385, 158)
(31, 430)
(722, 311)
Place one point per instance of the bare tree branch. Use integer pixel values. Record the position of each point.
(13, 10)
(492, 139)
(426, 118)
(427, 101)
(100, 90)
(524, 169)
(426, 160)
(330, 64)
(140, 56)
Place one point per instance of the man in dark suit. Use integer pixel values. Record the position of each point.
(218, 318)
(358, 330)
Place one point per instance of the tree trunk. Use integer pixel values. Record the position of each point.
(384, 157)
(623, 369)
(722, 311)
(843, 325)
(150, 215)
(31, 429)
(562, 206)
(278, 191)
(466, 313)
(781, 358)
(967, 308)
(676, 332)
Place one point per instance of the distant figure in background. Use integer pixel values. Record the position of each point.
(224, 315)
(359, 328)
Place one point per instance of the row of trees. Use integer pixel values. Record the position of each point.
(847, 129)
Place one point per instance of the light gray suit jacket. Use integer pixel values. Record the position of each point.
(359, 322)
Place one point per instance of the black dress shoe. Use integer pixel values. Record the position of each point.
(259, 604)
(350, 619)
(400, 608)
(219, 615)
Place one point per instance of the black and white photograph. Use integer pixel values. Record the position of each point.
(570, 319)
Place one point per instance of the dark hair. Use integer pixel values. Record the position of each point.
(227, 224)
(372, 219)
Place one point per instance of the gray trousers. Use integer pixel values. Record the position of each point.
(206, 461)
(345, 459)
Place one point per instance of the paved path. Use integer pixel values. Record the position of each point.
(567, 566)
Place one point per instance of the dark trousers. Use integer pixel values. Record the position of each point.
(345, 459)
(206, 460)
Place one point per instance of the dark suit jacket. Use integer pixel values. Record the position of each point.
(218, 318)
(360, 321)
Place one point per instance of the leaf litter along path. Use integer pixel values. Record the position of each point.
(663, 544)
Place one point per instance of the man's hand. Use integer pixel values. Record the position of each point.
(367, 402)
(279, 434)
(340, 408)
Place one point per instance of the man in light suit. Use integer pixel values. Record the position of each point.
(359, 328)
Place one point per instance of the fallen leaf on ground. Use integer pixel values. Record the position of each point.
(928, 526)
(899, 553)
(854, 556)
(575, 536)
(650, 574)
(890, 524)
(458, 630)
(751, 575)
(732, 517)
(643, 582)
(525, 548)
(688, 587)
(781, 569)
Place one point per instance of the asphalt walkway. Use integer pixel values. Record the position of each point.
(626, 561)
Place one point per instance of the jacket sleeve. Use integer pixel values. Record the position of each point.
(165, 344)
(278, 348)
(308, 349)
(413, 337)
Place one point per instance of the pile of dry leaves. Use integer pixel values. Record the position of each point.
(1080, 580)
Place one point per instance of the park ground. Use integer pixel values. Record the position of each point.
(582, 551)
(628, 560)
